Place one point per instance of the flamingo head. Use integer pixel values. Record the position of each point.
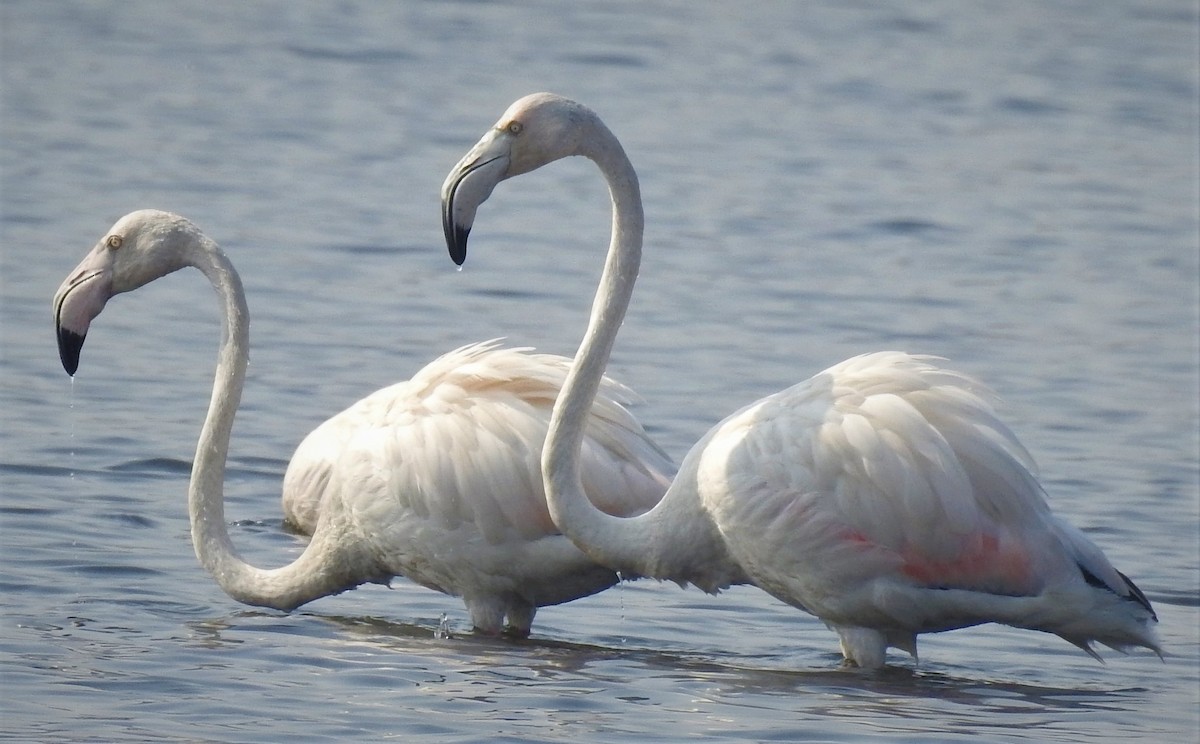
(535, 130)
(141, 246)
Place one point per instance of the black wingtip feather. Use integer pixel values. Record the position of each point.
(1138, 595)
(1135, 594)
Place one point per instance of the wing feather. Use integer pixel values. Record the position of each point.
(460, 443)
(882, 464)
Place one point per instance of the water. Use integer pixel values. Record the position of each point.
(1010, 186)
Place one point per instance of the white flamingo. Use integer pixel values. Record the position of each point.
(436, 479)
(882, 495)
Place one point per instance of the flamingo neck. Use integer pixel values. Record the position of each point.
(639, 546)
(675, 540)
(311, 575)
(597, 533)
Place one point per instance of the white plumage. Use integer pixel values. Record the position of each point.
(448, 478)
(882, 495)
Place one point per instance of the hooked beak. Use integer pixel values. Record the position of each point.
(79, 299)
(469, 184)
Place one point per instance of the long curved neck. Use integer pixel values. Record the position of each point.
(673, 541)
(315, 573)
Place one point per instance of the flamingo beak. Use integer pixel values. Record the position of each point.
(469, 184)
(79, 299)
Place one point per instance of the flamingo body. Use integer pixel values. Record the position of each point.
(883, 495)
(889, 500)
(447, 483)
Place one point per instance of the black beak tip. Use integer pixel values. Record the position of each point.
(69, 345)
(458, 245)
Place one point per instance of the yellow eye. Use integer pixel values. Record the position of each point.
(515, 127)
(114, 241)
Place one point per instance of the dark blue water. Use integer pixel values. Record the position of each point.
(1012, 186)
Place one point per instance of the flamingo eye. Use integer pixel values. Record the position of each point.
(515, 127)
(114, 241)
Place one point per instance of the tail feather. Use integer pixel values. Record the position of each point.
(1086, 645)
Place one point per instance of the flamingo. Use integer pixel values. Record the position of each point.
(436, 478)
(883, 495)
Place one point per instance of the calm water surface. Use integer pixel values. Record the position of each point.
(1012, 186)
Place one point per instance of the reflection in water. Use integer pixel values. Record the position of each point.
(507, 662)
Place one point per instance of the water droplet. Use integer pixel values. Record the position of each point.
(71, 430)
(621, 599)
(443, 628)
